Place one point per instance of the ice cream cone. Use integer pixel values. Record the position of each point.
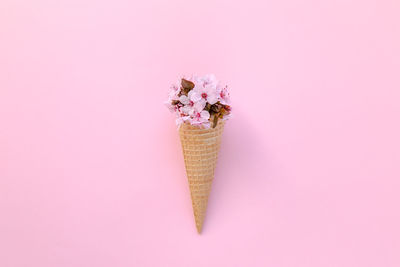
(200, 150)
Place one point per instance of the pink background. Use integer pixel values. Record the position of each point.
(91, 170)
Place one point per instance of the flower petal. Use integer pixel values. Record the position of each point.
(212, 99)
(200, 105)
(205, 115)
(184, 99)
(194, 96)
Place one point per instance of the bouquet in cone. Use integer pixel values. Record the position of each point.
(201, 106)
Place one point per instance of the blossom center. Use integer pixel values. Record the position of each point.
(191, 103)
(204, 95)
(222, 94)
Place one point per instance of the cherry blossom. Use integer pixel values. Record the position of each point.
(199, 101)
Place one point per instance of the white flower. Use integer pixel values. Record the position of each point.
(199, 117)
(208, 80)
(173, 93)
(172, 96)
(184, 99)
(194, 96)
(189, 105)
(207, 93)
(181, 120)
(223, 95)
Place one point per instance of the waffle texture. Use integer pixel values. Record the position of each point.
(200, 151)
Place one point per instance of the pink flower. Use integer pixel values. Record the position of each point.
(223, 95)
(174, 91)
(172, 96)
(181, 120)
(200, 117)
(192, 103)
(189, 104)
(207, 80)
(207, 93)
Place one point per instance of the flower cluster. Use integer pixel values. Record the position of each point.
(199, 101)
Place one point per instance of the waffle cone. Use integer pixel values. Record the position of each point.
(200, 150)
